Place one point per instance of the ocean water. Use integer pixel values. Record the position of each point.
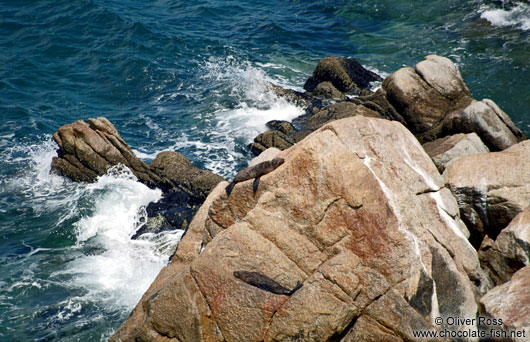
(188, 76)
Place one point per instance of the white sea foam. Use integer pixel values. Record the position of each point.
(111, 266)
(517, 16)
(104, 264)
(243, 104)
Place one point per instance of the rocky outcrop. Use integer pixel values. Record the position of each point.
(491, 188)
(435, 102)
(427, 96)
(283, 134)
(343, 74)
(88, 150)
(442, 151)
(509, 302)
(510, 251)
(340, 217)
(431, 100)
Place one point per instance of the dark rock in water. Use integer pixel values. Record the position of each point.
(327, 90)
(155, 224)
(265, 283)
(271, 139)
(285, 127)
(283, 134)
(295, 97)
(345, 74)
(325, 101)
(176, 206)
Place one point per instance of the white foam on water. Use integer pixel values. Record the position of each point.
(243, 103)
(113, 268)
(105, 265)
(517, 16)
(376, 85)
(145, 155)
(45, 192)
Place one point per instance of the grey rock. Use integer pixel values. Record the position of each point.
(442, 151)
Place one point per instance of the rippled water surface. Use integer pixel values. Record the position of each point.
(188, 76)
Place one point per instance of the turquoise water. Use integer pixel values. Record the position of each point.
(187, 76)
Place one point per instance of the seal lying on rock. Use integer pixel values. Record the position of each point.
(265, 283)
(255, 172)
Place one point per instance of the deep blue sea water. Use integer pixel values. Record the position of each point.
(186, 76)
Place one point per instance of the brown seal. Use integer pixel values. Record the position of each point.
(265, 283)
(255, 172)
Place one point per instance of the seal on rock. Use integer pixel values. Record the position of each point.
(255, 172)
(265, 283)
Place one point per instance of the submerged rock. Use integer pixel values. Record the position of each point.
(340, 217)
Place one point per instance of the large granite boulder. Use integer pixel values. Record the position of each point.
(343, 74)
(491, 188)
(492, 124)
(427, 94)
(510, 251)
(358, 215)
(435, 102)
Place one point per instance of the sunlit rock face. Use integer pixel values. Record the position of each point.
(358, 215)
